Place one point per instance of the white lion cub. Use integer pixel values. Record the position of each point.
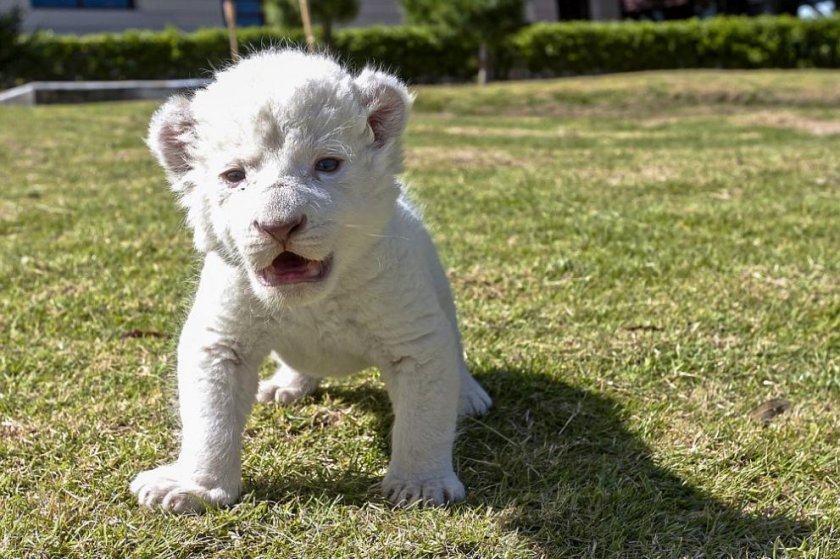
(286, 167)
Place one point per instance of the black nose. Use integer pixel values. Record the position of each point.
(282, 231)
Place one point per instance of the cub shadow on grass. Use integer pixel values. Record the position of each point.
(574, 480)
(582, 484)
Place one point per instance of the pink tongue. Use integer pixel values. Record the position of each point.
(291, 268)
(288, 262)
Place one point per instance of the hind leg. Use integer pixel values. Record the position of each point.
(286, 385)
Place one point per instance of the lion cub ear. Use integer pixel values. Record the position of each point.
(171, 134)
(388, 102)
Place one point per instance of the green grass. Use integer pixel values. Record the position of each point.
(639, 261)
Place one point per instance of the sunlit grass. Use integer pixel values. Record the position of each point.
(640, 261)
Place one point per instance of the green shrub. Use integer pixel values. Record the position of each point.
(416, 53)
(137, 54)
(324, 13)
(430, 54)
(9, 43)
(731, 42)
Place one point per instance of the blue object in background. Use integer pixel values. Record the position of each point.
(248, 12)
(102, 4)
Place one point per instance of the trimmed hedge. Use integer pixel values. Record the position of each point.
(135, 54)
(418, 54)
(733, 42)
(9, 30)
(423, 54)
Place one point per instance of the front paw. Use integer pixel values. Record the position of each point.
(474, 401)
(433, 492)
(167, 488)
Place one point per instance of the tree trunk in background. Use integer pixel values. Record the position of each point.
(307, 25)
(482, 63)
(229, 8)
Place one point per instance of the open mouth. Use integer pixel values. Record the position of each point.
(290, 268)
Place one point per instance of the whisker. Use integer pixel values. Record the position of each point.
(354, 226)
(386, 236)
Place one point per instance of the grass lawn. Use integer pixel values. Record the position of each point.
(640, 262)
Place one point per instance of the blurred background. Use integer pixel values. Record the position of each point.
(86, 16)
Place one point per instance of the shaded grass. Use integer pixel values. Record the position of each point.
(639, 261)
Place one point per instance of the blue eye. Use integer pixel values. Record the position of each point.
(234, 176)
(327, 165)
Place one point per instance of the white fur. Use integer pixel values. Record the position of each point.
(385, 303)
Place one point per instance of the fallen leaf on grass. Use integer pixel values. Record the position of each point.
(644, 328)
(770, 409)
(142, 334)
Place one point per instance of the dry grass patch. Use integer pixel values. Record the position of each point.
(507, 132)
(788, 119)
(425, 158)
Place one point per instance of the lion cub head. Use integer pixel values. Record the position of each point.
(286, 167)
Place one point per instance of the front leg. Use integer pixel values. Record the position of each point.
(216, 388)
(424, 391)
(217, 382)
